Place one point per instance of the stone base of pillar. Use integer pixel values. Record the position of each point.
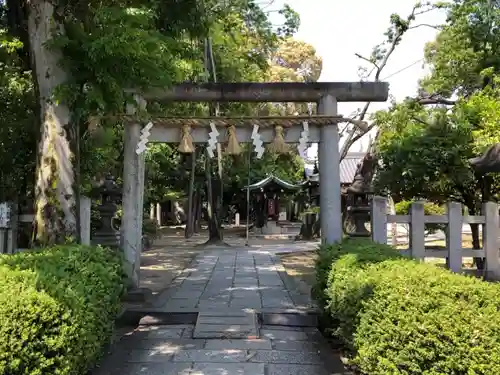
(138, 295)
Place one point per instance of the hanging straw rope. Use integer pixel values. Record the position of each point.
(279, 145)
(233, 146)
(186, 143)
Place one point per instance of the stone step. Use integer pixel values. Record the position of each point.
(275, 317)
(226, 325)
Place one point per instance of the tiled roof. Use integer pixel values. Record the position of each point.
(276, 181)
(348, 167)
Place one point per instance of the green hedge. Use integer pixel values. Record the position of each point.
(366, 254)
(404, 208)
(398, 316)
(57, 309)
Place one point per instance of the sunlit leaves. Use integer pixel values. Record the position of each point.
(121, 48)
(468, 44)
(17, 125)
(425, 151)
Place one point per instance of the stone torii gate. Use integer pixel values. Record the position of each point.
(322, 129)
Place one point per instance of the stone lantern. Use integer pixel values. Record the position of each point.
(359, 196)
(109, 193)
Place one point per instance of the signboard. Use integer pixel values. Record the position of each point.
(282, 216)
(5, 215)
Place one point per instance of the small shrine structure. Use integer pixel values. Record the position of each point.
(266, 197)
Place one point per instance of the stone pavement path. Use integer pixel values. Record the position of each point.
(171, 350)
(240, 299)
(234, 280)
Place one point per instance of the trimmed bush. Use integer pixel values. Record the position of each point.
(399, 316)
(57, 309)
(366, 254)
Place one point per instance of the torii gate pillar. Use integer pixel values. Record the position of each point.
(329, 165)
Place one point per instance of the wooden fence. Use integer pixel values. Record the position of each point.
(454, 220)
(10, 222)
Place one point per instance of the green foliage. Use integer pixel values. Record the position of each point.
(425, 152)
(328, 254)
(403, 208)
(468, 44)
(310, 210)
(17, 127)
(399, 316)
(423, 155)
(57, 308)
(150, 228)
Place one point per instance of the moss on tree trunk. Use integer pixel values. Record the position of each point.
(55, 202)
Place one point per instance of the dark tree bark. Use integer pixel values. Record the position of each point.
(476, 242)
(214, 229)
(197, 215)
(191, 208)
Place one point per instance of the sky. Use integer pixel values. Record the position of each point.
(338, 29)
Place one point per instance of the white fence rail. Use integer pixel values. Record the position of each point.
(454, 220)
(10, 220)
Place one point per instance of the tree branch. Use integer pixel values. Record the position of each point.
(367, 60)
(419, 120)
(435, 100)
(358, 136)
(436, 27)
(354, 135)
(424, 9)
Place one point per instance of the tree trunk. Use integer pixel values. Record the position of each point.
(55, 201)
(214, 230)
(476, 244)
(197, 214)
(191, 211)
(479, 262)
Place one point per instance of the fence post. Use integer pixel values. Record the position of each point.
(158, 214)
(85, 206)
(394, 226)
(490, 240)
(454, 236)
(379, 219)
(417, 231)
(3, 241)
(5, 225)
(12, 232)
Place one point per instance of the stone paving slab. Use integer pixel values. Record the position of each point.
(282, 369)
(277, 334)
(170, 345)
(253, 344)
(152, 369)
(228, 369)
(213, 325)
